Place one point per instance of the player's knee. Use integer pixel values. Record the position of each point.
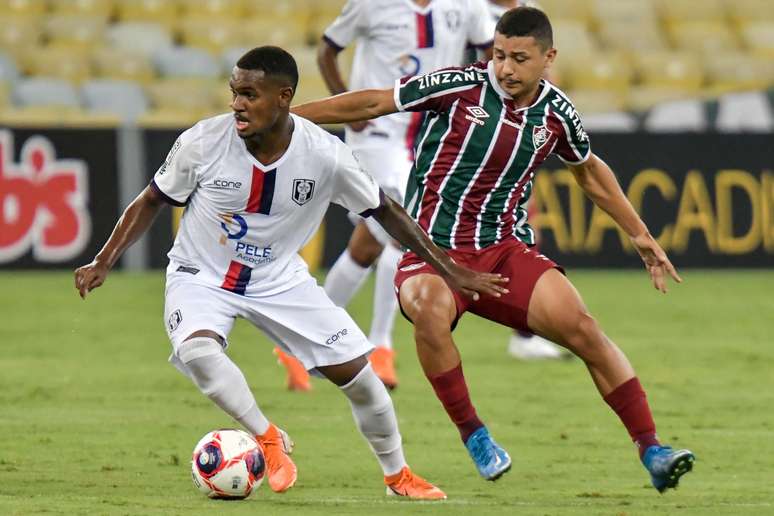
(365, 254)
(432, 319)
(586, 338)
(198, 347)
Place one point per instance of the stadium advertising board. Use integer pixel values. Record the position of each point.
(58, 195)
(709, 200)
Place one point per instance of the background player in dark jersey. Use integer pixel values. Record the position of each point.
(489, 127)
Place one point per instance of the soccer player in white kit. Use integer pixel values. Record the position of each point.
(256, 184)
(394, 38)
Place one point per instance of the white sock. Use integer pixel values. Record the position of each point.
(385, 302)
(222, 381)
(375, 418)
(344, 279)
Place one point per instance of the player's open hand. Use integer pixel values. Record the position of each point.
(473, 284)
(89, 277)
(656, 261)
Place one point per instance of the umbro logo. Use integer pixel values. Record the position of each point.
(477, 114)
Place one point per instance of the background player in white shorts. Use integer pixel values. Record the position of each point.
(522, 344)
(256, 184)
(394, 38)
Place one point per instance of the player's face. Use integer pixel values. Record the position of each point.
(519, 63)
(257, 101)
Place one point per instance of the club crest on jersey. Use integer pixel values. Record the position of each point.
(477, 114)
(540, 135)
(453, 20)
(303, 190)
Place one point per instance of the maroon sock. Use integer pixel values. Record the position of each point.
(628, 400)
(451, 389)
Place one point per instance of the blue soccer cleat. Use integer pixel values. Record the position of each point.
(490, 459)
(666, 466)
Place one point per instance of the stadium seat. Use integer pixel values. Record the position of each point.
(264, 30)
(598, 71)
(229, 58)
(751, 10)
(759, 37)
(633, 37)
(192, 95)
(19, 33)
(742, 112)
(169, 118)
(75, 30)
(163, 12)
(121, 98)
(101, 8)
(9, 72)
(23, 7)
(211, 35)
(186, 62)
(572, 38)
(138, 37)
(737, 71)
(597, 101)
(641, 98)
(670, 70)
(618, 122)
(5, 93)
(703, 36)
(221, 97)
(578, 11)
(45, 91)
(73, 65)
(690, 10)
(677, 116)
(35, 116)
(116, 64)
(310, 87)
(214, 10)
(629, 11)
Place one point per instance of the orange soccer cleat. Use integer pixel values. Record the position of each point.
(405, 483)
(383, 362)
(298, 377)
(280, 468)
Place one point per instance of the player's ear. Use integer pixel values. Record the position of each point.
(286, 96)
(550, 55)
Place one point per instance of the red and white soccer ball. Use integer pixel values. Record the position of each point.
(227, 464)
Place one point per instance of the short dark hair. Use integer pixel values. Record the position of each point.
(272, 61)
(527, 21)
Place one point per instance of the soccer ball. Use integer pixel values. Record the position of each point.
(227, 464)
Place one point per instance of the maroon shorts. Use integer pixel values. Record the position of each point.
(511, 258)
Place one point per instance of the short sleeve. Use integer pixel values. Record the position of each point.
(481, 25)
(354, 188)
(176, 178)
(573, 146)
(349, 24)
(435, 91)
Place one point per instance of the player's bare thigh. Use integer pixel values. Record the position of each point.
(427, 299)
(207, 334)
(556, 310)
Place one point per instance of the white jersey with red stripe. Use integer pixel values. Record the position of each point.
(396, 38)
(244, 222)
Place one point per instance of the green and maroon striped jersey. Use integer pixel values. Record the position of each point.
(476, 154)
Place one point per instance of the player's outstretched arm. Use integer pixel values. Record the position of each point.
(352, 106)
(402, 228)
(133, 223)
(599, 182)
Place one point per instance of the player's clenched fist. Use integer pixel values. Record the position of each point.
(89, 277)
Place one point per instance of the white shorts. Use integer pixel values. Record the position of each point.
(302, 320)
(390, 166)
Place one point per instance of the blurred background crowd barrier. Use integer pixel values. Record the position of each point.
(676, 95)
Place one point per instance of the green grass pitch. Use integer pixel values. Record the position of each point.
(94, 421)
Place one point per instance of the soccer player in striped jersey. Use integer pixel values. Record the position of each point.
(256, 183)
(392, 38)
(489, 128)
(523, 344)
